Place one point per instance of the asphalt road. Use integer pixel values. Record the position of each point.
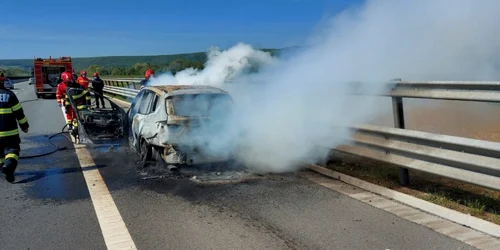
(50, 207)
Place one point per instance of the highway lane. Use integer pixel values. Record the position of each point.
(51, 207)
(272, 211)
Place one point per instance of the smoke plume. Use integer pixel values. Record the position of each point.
(283, 112)
(221, 66)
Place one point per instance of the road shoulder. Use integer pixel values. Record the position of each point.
(442, 220)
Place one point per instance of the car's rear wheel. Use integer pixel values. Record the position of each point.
(146, 153)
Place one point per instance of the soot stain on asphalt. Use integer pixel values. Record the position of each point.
(196, 184)
(209, 186)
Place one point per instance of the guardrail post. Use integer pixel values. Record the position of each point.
(399, 122)
(134, 85)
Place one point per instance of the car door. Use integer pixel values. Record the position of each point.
(151, 128)
(143, 109)
(131, 114)
(132, 111)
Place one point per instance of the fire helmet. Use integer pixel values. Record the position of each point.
(148, 73)
(66, 76)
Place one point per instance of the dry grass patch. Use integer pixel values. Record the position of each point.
(466, 198)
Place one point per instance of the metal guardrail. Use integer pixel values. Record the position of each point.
(131, 93)
(124, 83)
(468, 160)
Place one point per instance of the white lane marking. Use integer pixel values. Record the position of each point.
(114, 230)
(344, 184)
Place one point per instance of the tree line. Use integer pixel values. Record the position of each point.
(138, 69)
(14, 71)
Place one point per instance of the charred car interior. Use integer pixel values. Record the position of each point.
(103, 124)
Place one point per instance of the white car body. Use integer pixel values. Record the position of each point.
(155, 126)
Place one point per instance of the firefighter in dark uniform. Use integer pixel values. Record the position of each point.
(98, 86)
(81, 98)
(11, 114)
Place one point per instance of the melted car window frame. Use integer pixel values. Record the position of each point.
(171, 103)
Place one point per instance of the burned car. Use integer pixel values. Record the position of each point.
(180, 124)
(98, 125)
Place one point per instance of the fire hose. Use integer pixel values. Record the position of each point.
(56, 147)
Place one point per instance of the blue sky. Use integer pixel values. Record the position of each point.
(105, 28)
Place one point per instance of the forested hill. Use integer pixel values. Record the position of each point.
(130, 65)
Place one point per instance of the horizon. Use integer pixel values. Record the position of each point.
(167, 29)
(152, 55)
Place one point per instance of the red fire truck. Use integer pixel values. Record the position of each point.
(47, 73)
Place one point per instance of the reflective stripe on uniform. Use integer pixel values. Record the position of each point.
(5, 111)
(88, 97)
(16, 107)
(12, 156)
(81, 106)
(9, 133)
(24, 120)
(66, 103)
(80, 95)
(2, 160)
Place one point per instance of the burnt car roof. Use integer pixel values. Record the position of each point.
(185, 89)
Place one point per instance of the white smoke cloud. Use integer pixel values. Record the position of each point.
(282, 113)
(221, 66)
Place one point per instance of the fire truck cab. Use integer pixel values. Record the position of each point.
(47, 73)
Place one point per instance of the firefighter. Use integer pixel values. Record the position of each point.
(62, 98)
(11, 114)
(80, 97)
(84, 81)
(98, 86)
(147, 75)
